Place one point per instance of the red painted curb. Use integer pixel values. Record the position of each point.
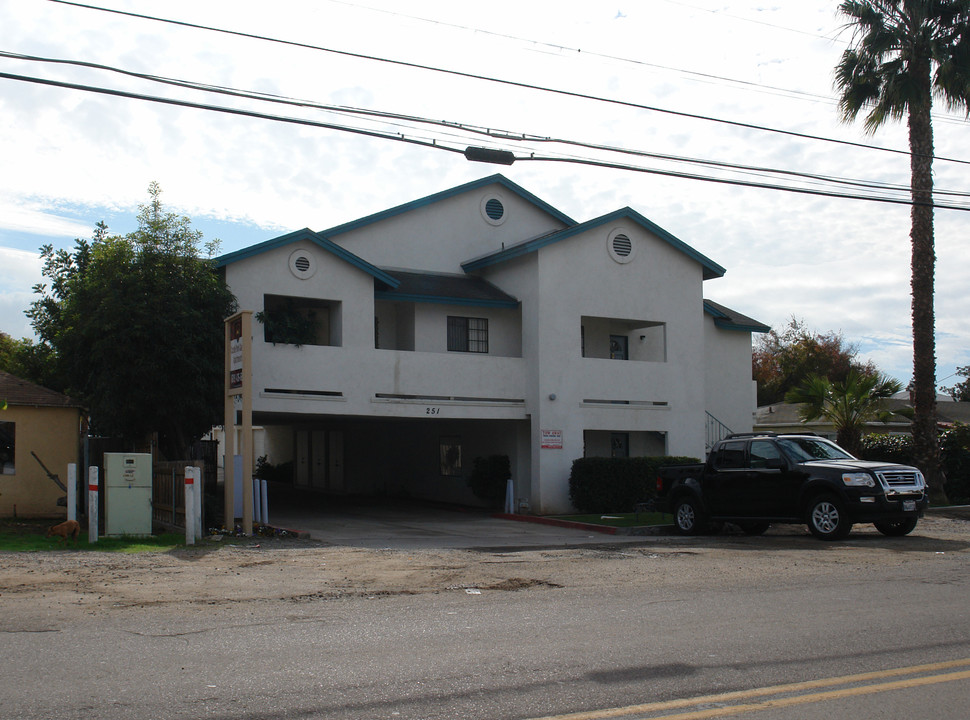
(605, 529)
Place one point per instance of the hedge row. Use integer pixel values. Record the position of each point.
(616, 485)
(954, 457)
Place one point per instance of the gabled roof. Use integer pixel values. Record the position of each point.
(452, 192)
(711, 268)
(446, 289)
(728, 319)
(16, 391)
(306, 234)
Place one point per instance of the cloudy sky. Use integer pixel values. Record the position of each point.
(697, 80)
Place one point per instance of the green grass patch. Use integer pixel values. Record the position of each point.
(621, 519)
(28, 536)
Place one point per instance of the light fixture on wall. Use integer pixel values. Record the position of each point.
(552, 396)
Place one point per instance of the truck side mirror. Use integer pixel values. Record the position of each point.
(775, 464)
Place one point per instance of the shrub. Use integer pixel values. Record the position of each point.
(488, 479)
(605, 485)
(954, 457)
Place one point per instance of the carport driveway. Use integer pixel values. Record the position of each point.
(411, 526)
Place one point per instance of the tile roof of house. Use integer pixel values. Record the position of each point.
(445, 288)
(16, 391)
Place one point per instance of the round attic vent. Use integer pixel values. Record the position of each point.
(302, 263)
(620, 245)
(493, 210)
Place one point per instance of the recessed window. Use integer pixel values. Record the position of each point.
(493, 209)
(8, 447)
(302, 263)
(620, 245)
(467, 334)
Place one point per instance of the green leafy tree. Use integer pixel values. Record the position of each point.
(849, 404)
(961, 390)
(30, 361)
(782, 361)
(903, 52)
(136, 325)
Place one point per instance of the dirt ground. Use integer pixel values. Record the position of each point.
(69, 583)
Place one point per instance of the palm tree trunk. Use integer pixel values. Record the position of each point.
(925, 442)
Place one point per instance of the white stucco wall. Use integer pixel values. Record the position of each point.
(730, 394)
(455, 228)
(577, 277)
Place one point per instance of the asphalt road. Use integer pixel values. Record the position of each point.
(868, 634)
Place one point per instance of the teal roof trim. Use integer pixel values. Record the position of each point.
(711, 268)
(444, 300)
(306, 234)
(452, 192)
(728, 319)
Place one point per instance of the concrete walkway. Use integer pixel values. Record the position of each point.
(412, 526)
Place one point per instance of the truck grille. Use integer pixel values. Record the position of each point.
(898, 478)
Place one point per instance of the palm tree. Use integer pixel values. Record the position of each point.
(848, 404)
(903, 53)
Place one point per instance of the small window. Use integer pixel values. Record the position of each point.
(762, 451)
(467, 334)
(730, 456)
(450, 452)
(8, 447)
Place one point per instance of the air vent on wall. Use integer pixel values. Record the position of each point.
(493, 209)
(302, 263)
(622, 245)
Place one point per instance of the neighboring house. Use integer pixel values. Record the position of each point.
(39, 421)
(783, 418)
(480, 321)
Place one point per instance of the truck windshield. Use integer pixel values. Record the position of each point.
(806, 449)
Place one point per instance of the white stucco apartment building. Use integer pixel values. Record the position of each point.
(478, 321)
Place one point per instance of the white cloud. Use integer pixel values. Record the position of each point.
(837, 264)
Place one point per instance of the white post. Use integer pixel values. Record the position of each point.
(189, 508)
(265, 506)
(197, 476)
(72, 491)
(92, 504)
(257, 511)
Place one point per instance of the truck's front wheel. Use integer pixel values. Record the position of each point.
(896, 528)
(827, 519)
(688, 518)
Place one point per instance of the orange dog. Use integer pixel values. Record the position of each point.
(68, 527)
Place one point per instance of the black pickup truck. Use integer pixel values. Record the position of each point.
(753, 480)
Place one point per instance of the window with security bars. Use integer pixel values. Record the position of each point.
(467, 334)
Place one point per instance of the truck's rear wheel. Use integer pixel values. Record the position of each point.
(688, 518)
(754, 527)
(896, 528)
(827, 519)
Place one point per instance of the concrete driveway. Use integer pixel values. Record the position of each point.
(407, 525)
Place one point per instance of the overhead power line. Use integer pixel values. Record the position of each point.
(533, 157)
(486, 78)
(472, 129)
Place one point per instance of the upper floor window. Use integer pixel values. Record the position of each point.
(467, 334)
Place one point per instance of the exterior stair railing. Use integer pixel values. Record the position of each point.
(716, 430)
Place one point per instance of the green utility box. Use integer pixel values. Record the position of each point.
(128, 494)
